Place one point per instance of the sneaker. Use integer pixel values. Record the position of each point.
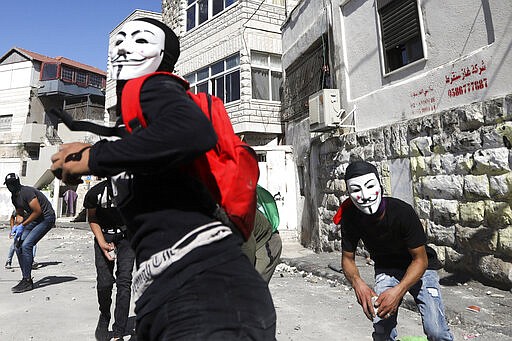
(35, 265)
(101, 333)
(8, 265)
(25, 284)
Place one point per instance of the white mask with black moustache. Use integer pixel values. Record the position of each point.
(138, 50)
(365, 192)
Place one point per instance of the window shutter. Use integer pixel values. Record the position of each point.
(399, 22)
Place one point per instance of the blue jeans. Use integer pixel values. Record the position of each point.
(13, 248)
(426, 294)
(32, 234)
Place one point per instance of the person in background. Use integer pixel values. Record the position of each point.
(111, 247)
(394, 236)
(40, 219)
(266, 234)
(15, 220)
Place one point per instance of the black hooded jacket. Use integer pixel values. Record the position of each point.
(159, 200)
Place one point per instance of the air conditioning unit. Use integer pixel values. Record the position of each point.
(325, 109)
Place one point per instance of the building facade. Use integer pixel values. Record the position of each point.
(31, 85)
(419, 88)
(232, 49)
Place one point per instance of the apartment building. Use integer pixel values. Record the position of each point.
(32, 84)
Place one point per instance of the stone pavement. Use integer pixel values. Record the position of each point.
(494, 305)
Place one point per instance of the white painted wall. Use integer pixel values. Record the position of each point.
(458, 35)
(15, 81)
(458, 38)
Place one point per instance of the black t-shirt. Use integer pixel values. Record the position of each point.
(158, 199)
(388, 239)
(26, 194)
(100, 197)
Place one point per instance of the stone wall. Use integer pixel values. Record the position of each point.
(460, 176)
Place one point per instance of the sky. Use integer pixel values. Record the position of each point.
(75, 29)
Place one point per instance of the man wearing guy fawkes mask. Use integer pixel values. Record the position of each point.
(394, 236)
(192, 282)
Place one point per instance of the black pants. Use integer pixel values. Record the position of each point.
(123, 280)
(226, 302)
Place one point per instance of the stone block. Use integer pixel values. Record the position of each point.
(500, 186)
(491, 138)
(491, 161)
(464, 163)
(495, 271)
(450, 121)
(481, 239)
(440, 252)
(420, 146)
(435, 166)
(442, 187)
(349, 140)
(476, 187)
(470, 116)
(445, 212)
(440, 235)
(466, 141)
(418, 167)
(454, 261)
(448, 163)
(472, 213)
(498, 215)
(331, 202)
(441, 143)
(505, 242)
(493, 110)
(422, 207)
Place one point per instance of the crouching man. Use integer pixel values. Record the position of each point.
(394, 236)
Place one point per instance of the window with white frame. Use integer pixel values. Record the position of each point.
(221, 79)
(5, 122)
(401, 32)
(277, 2)
(199, 11)
(266, 76)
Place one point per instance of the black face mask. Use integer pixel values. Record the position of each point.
(13, 187)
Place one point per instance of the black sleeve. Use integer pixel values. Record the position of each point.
(412, 229)
(177, 132)
(349, 234)
(91, 197)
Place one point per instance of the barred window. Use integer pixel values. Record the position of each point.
(81, 78)
(66, 74)
(401, 32)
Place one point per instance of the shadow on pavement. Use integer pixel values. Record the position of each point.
(50, 280)
(454, 279)
(45, 264)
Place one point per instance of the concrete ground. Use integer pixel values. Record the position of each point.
(64, 301)
(495, 306)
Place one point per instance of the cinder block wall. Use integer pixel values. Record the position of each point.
(461, 183)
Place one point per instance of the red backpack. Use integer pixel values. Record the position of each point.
(229, 170)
